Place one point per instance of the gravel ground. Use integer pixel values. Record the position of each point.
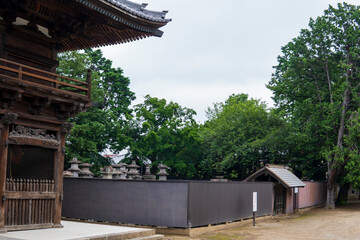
(316, 223)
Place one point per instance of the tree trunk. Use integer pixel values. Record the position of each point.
(330, 197)
(330, 201)
(343, 195)
(332, 169)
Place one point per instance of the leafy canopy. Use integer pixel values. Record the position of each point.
(100, 126)
(232, 137)
(165, 132)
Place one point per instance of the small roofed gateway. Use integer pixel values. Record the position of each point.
(285, 188)
(35, 102)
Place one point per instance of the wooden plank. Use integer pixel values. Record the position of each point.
(58, 179)
(30, 211)
(21, 72)
(16, 212)
(36, 210)
(29, 227)
(4, 132)
(51, 80)
(22, 211)
(30, 195)
(19, 78)
(42, 86)
(40, 71)
(39, 142)
(15, 85)
(12, 222)
(38, 118)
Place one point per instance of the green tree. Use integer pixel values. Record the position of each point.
(234, 138)
(163, 132)
(101, 126)
(316, 85)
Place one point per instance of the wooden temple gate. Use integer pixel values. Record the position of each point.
(35, 102)
(31, 173)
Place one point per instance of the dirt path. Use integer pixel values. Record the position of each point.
(339, 224)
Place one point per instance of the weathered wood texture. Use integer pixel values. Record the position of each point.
(29, 203)
(29, 185)
(58, 178)
(4, 131)
(33, 76)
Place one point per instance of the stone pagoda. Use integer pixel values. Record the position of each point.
(120, 171)
(133, 170)
(74, 168)
(162, 173)
(148, 175)
(107, 172)
(85, 170)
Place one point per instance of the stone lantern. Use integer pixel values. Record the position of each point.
(107, 172)
(162, 173)
(148, 175)
(68, 174)
(133, 170)
(85, 170)
(119, 171)
(123, 167)
(74, 169)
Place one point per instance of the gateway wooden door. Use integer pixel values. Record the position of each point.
(279, 199)
(29, 204)
(29, 190)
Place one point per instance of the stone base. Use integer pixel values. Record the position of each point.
(88, 231)
(3, 230)
(58, 226)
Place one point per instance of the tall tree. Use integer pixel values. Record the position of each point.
(101, 125)
(232, 137)
(165, 132)
(316, 85)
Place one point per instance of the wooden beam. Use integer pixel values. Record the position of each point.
(58, 173)
(29, 227)
(29, 195)
(6, 120)
(33, 141)
(35, 118)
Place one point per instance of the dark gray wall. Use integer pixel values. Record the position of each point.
(136, 202)
(216, 202)
(163, 203)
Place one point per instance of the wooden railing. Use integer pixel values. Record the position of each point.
(29, 203)
(29, 185)
(34, 76)
(27, 212)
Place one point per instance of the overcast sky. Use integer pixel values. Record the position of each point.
(213, 48)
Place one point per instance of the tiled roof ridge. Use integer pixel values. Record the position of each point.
(140, 11)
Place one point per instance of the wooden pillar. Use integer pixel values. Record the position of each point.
(6, 121)
(58, 173)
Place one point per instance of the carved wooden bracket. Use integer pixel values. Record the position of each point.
(38, 105)
(65, 110)
(9, 118)
(66, 127)
(8, 98)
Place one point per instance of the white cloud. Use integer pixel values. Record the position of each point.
(212, 49)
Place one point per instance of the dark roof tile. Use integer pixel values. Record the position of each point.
(140, 11)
